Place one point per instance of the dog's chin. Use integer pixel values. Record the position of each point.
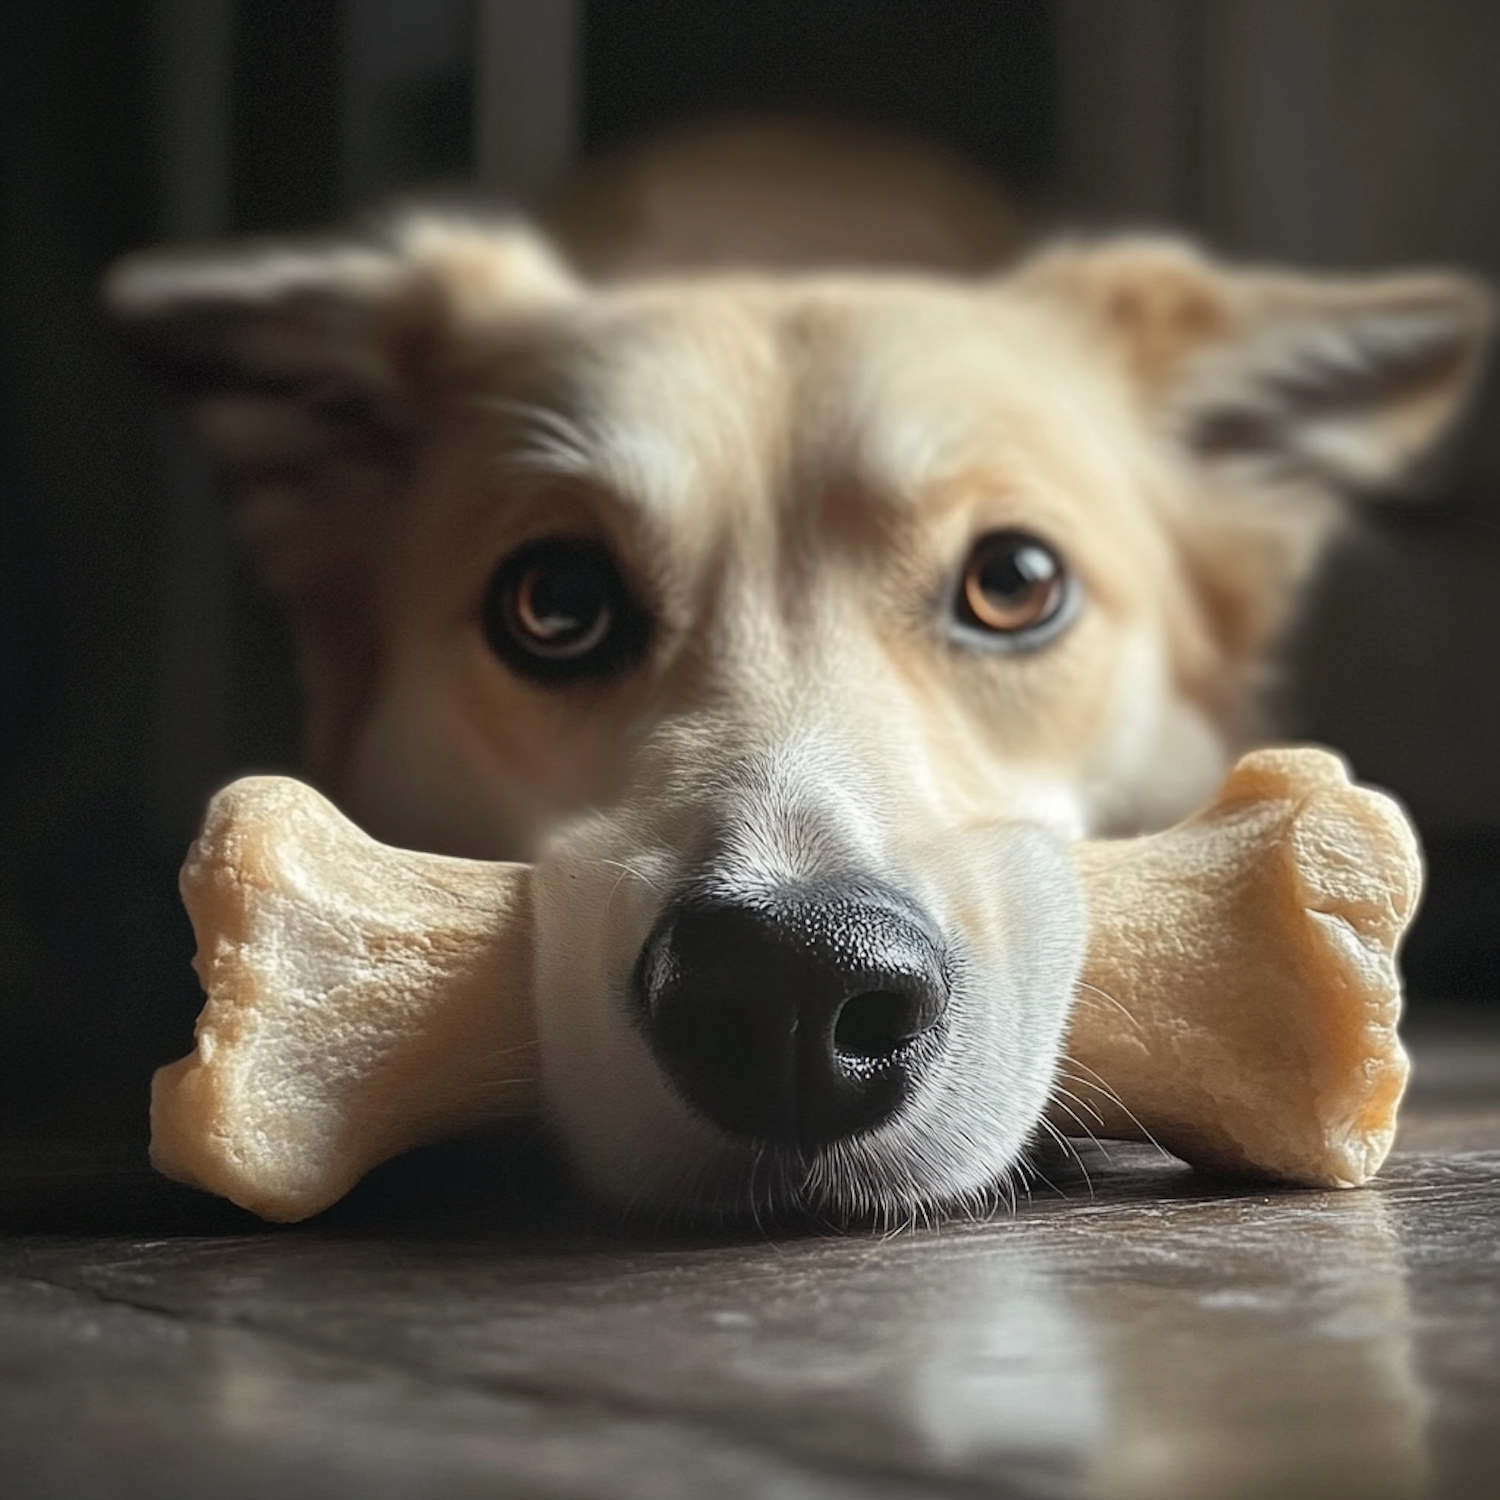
(887, 1179)
(957, 1148)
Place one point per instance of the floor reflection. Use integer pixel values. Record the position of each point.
(1244, 1347)
(1284, 1365)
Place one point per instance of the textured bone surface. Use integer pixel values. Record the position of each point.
(362, 1000)
(1241, 993)
(1240, 1001)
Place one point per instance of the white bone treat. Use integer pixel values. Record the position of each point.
(362, 1000)
(1241, 991)
(1240, 997)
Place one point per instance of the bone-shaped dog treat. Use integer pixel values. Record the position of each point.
(1240, 996)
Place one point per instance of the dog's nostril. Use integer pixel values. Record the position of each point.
(875, 1026)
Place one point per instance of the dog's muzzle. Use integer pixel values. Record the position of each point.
(796, 1018)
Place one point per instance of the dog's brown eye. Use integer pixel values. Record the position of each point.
(1013, 586)
(561, 609)
(558, 609)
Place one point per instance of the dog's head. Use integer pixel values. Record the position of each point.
(802, 623)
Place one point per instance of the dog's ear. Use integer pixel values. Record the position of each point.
(1284, 393)
(1347, 382)
(302, 362)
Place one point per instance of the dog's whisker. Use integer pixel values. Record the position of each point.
(627, 872)
(1104, 994)
(1036, 1172)
(1087, 1133)
(1098, 1080)
(1101, 1085)
(626, 868)
(1068, 1140)
(1073, 1151)
(1058, 1091)
(755, 1209)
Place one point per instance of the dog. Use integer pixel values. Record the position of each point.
(797, 624)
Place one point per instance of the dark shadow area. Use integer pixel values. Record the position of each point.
(511, 1186)
(977, 76)
(1453, 952)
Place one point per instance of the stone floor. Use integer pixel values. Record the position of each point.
(458, 1328)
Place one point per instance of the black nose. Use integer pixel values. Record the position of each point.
(800, 1019)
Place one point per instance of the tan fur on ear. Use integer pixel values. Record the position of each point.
(1156, 302)
(1273, 396)
(1349, 382)
(278, 310)
(478, 270)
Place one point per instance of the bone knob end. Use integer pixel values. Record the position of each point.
(362, 1000)
(1241, 992)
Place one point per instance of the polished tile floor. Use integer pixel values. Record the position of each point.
(458, 1329)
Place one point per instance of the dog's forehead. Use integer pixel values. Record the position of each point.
(752, 392)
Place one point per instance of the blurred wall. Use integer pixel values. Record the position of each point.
(84, 532)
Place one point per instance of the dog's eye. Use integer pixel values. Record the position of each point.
(558, 609)
(1013, 586)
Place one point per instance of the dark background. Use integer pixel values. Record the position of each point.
(139, 669)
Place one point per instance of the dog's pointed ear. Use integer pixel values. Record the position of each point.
(1347, 382)
(302, 361)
